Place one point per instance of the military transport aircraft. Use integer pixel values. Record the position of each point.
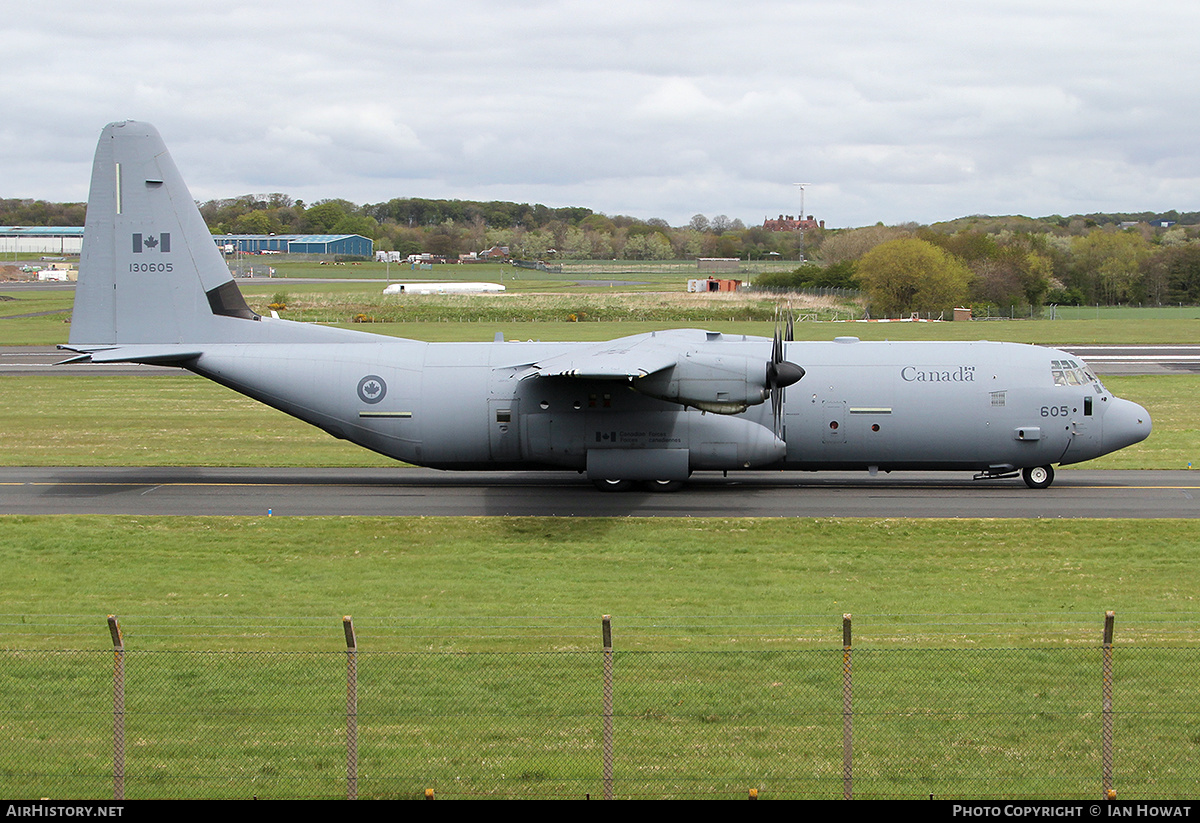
(646, 410)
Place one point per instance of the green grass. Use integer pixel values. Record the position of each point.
(1037, 332)
(424, 584)
(156, 420)
(1179, 312)
(582, 307)
(540, 309)
(661, 272)
(1175, 441)
(16, 303)
(976, 664)
(48, 324)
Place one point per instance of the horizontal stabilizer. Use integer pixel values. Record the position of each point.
(149, 354)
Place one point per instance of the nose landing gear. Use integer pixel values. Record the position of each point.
(1038, 477)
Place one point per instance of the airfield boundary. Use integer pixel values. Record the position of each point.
(1070, 721)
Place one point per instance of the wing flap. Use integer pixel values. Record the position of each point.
(622, 359)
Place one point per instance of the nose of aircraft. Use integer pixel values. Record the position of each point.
(1125, 423)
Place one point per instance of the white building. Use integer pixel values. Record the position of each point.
(38, 240)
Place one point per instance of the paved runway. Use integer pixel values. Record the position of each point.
(406, 491)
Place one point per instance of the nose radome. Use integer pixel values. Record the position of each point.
(1125, 423)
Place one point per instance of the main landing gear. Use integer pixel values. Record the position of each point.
(647, 485)
(1038, 477)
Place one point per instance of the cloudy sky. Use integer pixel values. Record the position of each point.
(923, 110)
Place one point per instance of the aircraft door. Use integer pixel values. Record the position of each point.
(833, 421)
(504, 433)
(1084, 434)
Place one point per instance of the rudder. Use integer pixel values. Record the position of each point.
(150, 271)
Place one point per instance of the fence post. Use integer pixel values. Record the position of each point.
(1106, 714)
(847, 714)
(351, 709)
(118, 642)
(607, 744)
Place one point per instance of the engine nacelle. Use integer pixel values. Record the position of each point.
(718, 383)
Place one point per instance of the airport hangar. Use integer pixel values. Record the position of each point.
(38, 240)
(348, 245)
(68, 240)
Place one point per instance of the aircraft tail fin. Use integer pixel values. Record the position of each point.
(150, 272)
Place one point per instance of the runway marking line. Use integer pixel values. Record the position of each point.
(134, 484)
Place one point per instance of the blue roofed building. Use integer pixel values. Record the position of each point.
(68, 240)
(348, 245)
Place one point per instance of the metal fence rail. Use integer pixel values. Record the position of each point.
(1067, 722)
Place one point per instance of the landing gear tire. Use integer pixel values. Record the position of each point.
(1038, 477)
(662, 485)
(613, 485)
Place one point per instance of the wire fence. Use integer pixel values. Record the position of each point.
(1074, 720)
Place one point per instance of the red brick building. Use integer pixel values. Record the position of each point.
(790, 223)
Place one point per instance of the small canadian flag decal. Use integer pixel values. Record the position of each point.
(152, 242)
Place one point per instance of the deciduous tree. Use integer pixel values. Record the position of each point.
(910, 275)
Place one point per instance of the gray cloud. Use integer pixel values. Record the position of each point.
(919, 111)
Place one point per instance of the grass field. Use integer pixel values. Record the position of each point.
(503, 601)
(976, 664)
(556, 309)
(407, 580)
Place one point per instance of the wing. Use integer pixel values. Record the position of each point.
(705, 370)
(625, 358)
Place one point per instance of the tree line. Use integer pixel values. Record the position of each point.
(454, 227)
(19, 212)
(935, 268)
(1004, 262)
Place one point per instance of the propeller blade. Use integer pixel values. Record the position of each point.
(781, 373)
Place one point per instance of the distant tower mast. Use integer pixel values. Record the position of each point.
(801, 187)
(803, 217)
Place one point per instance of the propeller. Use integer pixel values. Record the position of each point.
(781, 373)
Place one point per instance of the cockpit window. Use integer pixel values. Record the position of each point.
(1072, 373)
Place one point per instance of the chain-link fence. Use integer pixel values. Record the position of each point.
(1075, 721)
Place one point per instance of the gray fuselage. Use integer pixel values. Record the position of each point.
(971, 406)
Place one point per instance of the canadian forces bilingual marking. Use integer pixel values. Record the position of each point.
(954, 374)
(1093, 810)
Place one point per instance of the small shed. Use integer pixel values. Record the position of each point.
(713, 284)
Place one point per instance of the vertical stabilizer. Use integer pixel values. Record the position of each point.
(150, 272)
